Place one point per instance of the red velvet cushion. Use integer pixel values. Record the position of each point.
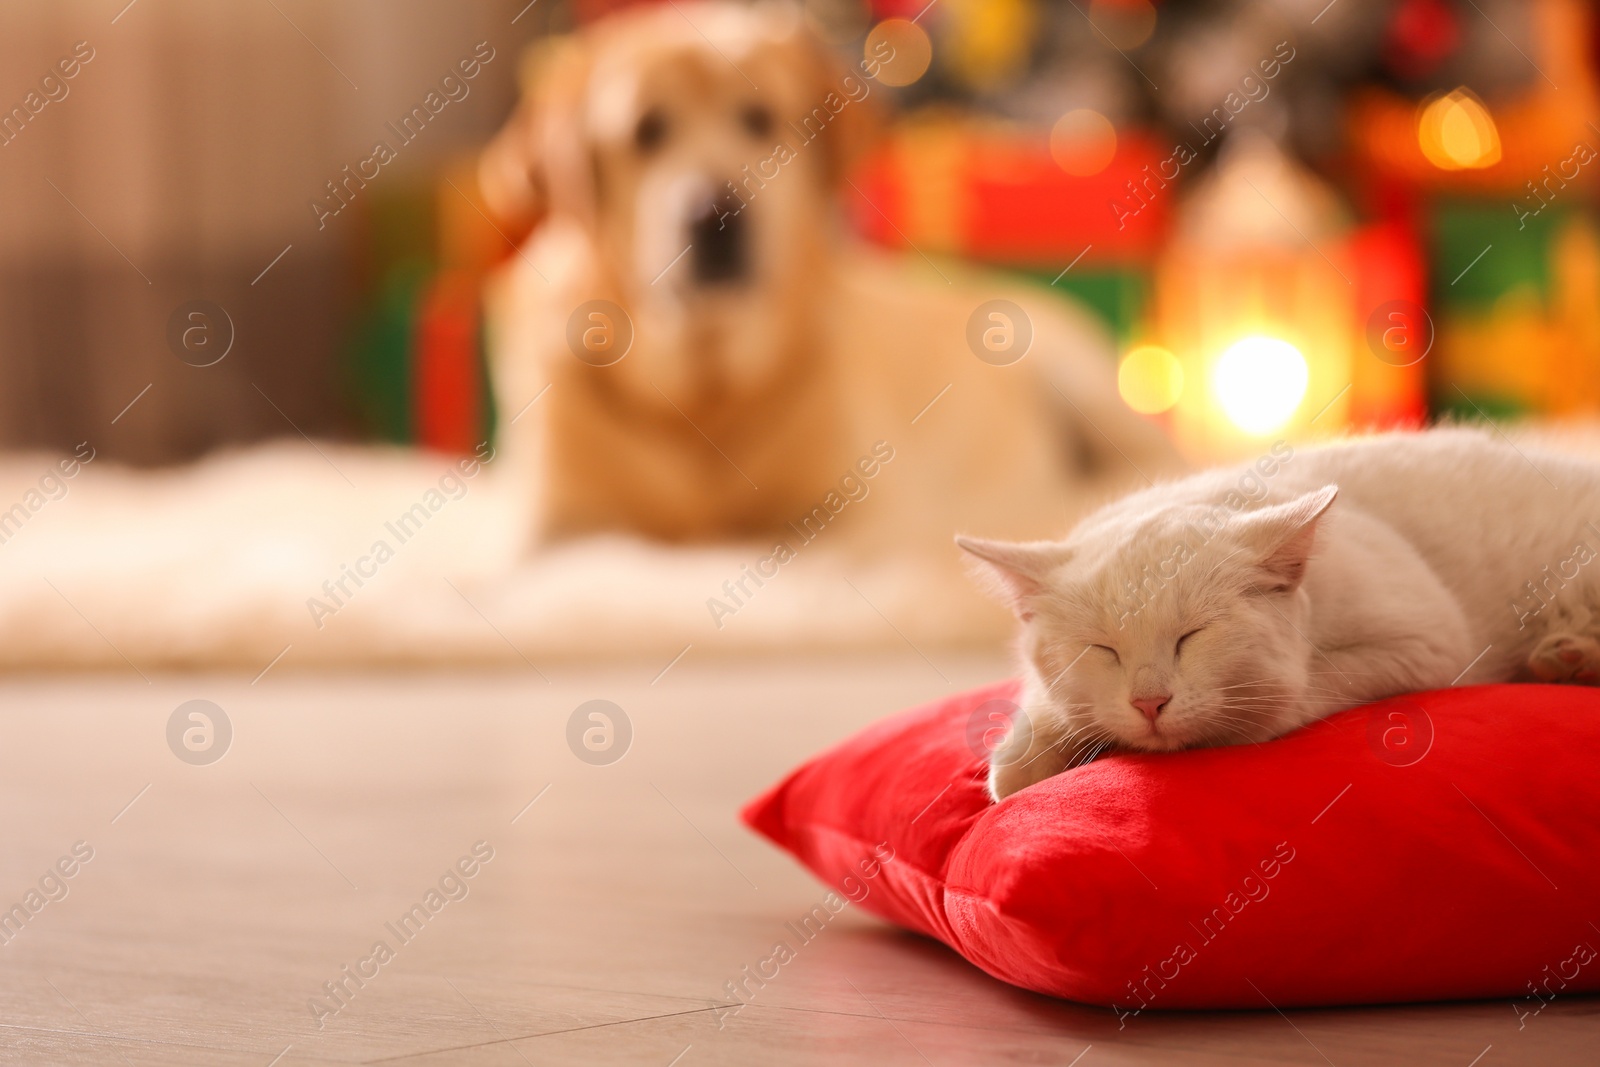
(1440, 845)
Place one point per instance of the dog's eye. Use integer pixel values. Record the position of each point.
(756, 119)
(651, 131)
(1186, 637)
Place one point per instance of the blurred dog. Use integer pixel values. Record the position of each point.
(710, 355)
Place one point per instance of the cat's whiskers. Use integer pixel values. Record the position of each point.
(1091, 733)
(1242, 701)
(1083, 733)
(1219, 733)
(1093, 754)
(1077, 732)
(1220, 717)
(1254, 713)
(1247, 701)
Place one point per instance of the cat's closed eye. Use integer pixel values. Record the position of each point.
(1108, 648)
(1185, 637)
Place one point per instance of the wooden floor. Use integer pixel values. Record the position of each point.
(220, 898)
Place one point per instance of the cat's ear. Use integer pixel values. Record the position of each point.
(1021, 569)
(1284, 535)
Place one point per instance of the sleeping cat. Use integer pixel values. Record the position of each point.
(1238, 604)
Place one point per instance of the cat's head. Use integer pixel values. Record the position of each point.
(1179, 626)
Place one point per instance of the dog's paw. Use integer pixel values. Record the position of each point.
(1566, 658)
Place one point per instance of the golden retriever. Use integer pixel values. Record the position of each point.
(689, 348)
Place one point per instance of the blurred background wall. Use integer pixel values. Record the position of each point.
(177, 164)
(1295, 216)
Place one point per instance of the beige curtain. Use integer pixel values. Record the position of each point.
(179, 162)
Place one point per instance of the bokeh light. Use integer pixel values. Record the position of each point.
(911, 47)
(987, 44)
(1456, 132)
(1083, 142)
(1260, 381)
(1150, 379)
(1127, 24)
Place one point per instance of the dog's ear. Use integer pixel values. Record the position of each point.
(858, 125)
(539, 162)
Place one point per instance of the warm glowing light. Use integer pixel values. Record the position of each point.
(1127, 24)
(1083, 142)
(1456, 132)
(987, 43)
(907, 44)
(1150, 379)
(1259, 382)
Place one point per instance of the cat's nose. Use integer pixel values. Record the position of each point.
(1151, 706)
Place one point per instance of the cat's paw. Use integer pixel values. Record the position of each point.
(1005, 780)
(1009, 772)
(1566, 658)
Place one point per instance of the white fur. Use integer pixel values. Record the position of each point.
(1308, 582)
(212, 566)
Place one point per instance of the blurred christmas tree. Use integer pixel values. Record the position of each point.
(1384, 207)
(1430, 162)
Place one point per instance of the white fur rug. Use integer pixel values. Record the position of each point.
(224, 563)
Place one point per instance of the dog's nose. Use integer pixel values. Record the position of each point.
(720, 242)
(1151, 706)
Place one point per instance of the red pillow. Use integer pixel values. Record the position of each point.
(1439, 845)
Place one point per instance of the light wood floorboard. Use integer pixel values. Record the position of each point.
(222, 897)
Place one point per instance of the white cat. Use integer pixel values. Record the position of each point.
(1238, 604)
